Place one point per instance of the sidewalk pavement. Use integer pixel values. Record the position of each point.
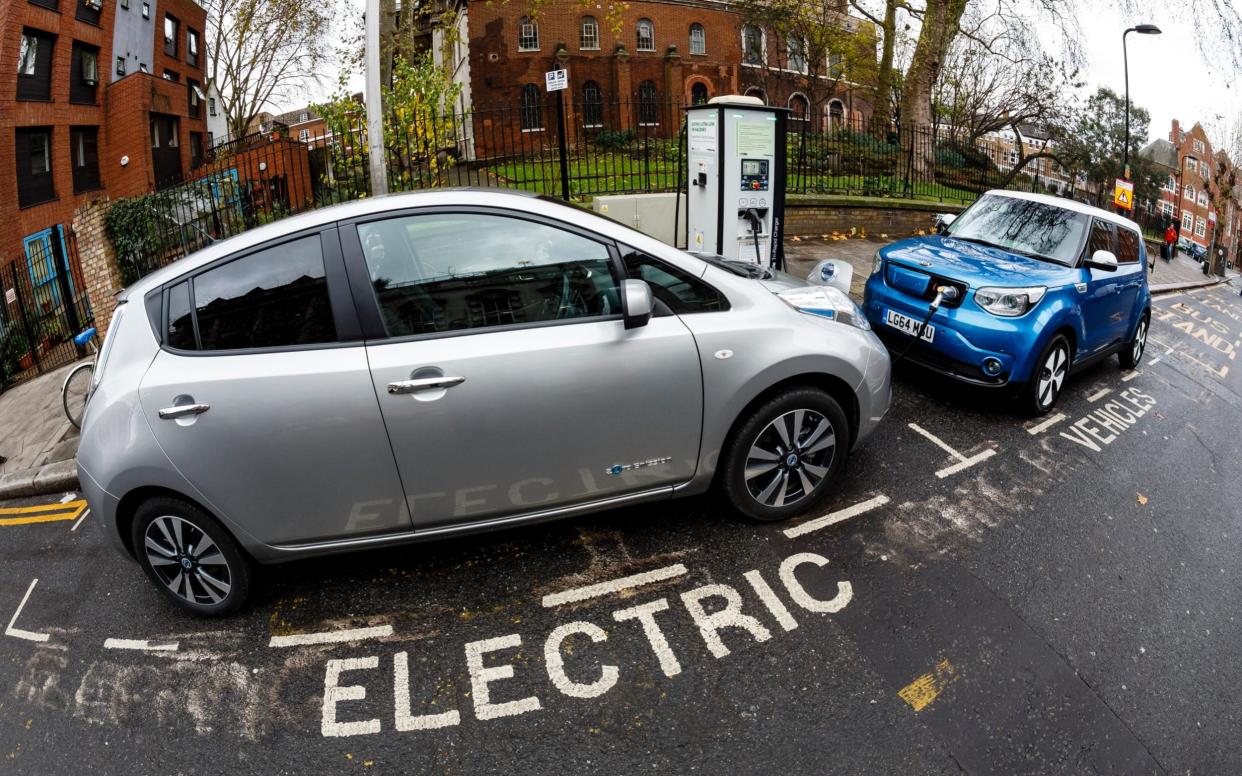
(37, 440)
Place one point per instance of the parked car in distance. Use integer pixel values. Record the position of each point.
(426, 365)
(1034, 288)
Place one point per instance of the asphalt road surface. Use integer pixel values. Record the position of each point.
(986, 593)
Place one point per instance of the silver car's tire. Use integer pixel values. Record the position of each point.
(785, 455)
(190, 558)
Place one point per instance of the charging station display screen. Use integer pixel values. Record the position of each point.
(754, 175)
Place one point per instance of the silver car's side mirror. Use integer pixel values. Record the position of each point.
(1104, 260)
(838, 274)
(636, 303)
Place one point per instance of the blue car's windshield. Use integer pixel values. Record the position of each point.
(1024, 226)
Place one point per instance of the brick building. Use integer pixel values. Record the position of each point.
(102, 97)
(1187, 160)
(666, 53)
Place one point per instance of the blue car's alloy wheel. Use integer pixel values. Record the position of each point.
(1044, 387)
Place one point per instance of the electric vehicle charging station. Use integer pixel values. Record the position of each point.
(735, 202)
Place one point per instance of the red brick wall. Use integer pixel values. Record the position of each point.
(1186, 147)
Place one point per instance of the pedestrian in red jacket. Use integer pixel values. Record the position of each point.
(1170, 242)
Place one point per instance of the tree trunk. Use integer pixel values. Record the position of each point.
(882, 105)
(388, 42)
(940, 27)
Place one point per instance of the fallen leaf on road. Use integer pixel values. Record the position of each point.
(1142, 499)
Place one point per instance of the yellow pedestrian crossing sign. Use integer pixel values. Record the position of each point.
(1123, 195)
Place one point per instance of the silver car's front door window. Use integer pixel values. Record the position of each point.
(510, 384)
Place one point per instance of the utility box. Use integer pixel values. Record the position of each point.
(657, 215)
(735, 198)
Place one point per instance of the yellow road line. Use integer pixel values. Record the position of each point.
(43, 513)
(925, 689)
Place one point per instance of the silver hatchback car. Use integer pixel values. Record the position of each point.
(426, 365)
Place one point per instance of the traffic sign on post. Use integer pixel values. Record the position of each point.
(1123, 195)
(557, 80)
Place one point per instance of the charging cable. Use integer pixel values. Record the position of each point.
(752, 215)
(943, 294)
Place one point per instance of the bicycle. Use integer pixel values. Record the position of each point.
(77, 386)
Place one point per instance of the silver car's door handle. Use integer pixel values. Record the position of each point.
(424, 384)
(183, 410)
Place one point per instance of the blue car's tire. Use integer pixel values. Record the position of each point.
(1132, 354)
(1041, 392)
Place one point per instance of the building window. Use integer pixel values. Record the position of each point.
(89, 11)
(698, 93)
(1189, 192)
(1200, 227)
(211, 106)
(532, 109)
(34, 65)
(836, 65)
(33, 150)
(304, 135)
(84, 151)
(797, 54)
(303, 116)
(1203, 198)
(648, 105)
(53, 4)
(645, 32)
(1199, 147)
(120, 65)
(836, 120)
(755, 91)
(592, 105)
(194, 97)
(171, 75)
(1188, 221)
(191, 46)
(83, 74)
(588, 37)
(798, 107)
(528, 35)
(752, 45)
(170, 34)
(146, 10)
(698, 39)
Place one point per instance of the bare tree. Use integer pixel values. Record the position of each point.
(262, 51)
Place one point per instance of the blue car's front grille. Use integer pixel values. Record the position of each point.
(921, 285)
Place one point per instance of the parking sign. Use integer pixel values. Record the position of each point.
(557, 80)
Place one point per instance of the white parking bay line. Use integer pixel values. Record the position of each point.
(832, 518)
(965, 463)
(18, 633)
(1043, 426)
(85, 512)
(938, 441)
(68, 497)
(1129, 377)
(576, 594)
(331, 637)
(1100, 394)
(139, 644)
(1154, 361)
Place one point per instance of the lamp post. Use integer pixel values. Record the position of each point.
(1141, 29)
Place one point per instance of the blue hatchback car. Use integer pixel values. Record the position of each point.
(1017, 292)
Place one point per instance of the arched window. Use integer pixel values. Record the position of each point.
(648, 104)
(645, 31)
(836, 115)
(698, 93)
(528, 35)
(755, 91)
(592, 105)
(797, 54)
(798, 107)
(588, 39)
(698, 39)
(752, 45)
(532, 108)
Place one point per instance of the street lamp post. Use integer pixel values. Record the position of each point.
(1141, 29)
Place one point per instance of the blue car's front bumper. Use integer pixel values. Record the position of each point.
(965, 336)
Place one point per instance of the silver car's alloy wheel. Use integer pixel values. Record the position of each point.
(1140, 342)
(187, 561)
(790, 457)
(1051, 375)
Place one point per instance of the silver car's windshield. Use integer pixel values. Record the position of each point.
(1035, 229)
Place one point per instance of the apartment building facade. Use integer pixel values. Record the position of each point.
(1188, 161)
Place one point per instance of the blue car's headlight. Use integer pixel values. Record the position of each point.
(826, 302)
(1009, 302)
